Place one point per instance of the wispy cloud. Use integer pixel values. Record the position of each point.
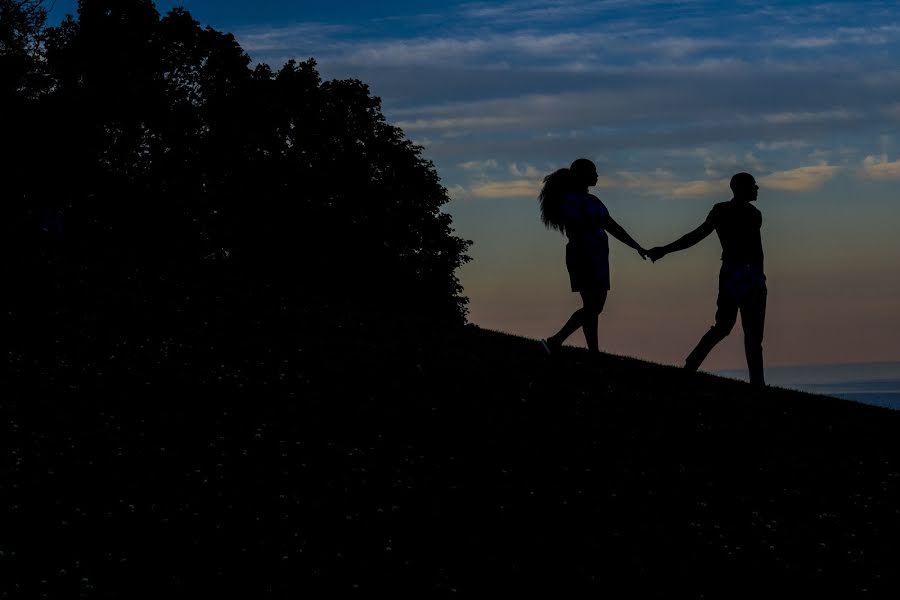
(801, 179)
(457, 192)
(454, 123)
(787, 118)
(660, 183)
(701, 189)
(782, 145)
(597, 32)
(529, 171)
(264, 40)
(530, 82)
(681, 47)
(478, 165)
(515, 188)
(542, 11)
(807, 42)
(718, 165)
(411, 52)
(663, 183)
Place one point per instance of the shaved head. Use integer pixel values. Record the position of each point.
(742, 181)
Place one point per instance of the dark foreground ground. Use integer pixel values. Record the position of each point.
(477, 467)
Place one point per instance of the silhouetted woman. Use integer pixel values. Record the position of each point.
(567, 207)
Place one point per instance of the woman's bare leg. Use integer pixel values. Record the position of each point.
(585, 318)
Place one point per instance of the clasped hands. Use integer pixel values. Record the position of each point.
(654, 254)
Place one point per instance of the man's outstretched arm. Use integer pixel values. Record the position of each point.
(618, 232)
(685, 241)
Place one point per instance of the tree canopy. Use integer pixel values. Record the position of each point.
(158, 181)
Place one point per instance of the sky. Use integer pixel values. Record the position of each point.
(669, 99)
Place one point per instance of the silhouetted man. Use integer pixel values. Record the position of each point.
(742, 284)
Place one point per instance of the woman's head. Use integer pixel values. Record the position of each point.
(584, 172)
(580, 175)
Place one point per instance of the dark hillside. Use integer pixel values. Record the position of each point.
(469, 466)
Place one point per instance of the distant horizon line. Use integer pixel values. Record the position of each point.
(824, 374)
(876, 363)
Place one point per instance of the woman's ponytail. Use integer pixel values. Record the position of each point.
(556, 185)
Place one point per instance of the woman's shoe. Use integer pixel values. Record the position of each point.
(549, 347)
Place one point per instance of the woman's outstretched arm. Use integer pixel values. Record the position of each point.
(618, 232)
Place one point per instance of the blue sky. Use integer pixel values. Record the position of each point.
(669, 99)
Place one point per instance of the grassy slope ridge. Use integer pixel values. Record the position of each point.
(473, 465)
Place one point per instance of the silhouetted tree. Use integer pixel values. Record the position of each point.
(21, 25)
(177, 191)
(22, 81)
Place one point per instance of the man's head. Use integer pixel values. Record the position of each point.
(744, 187)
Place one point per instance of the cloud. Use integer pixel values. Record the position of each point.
(827, 35)
(807, 42)
(601, 33)
(268, 39)
(717, 165)
(681, 47)
(457, 123)
(530, 171)
(801, 179)
(878, 167)
(457, 192)
(404, 53)
(663, 183)
(514, 49)
(490, 64)
(541, 11)
(659, 183)
(700, 189)
(538, 82)
(516, 188)
(688, 108)
(782, 145)
(786, 118)
(478, 165)
(552, 44)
